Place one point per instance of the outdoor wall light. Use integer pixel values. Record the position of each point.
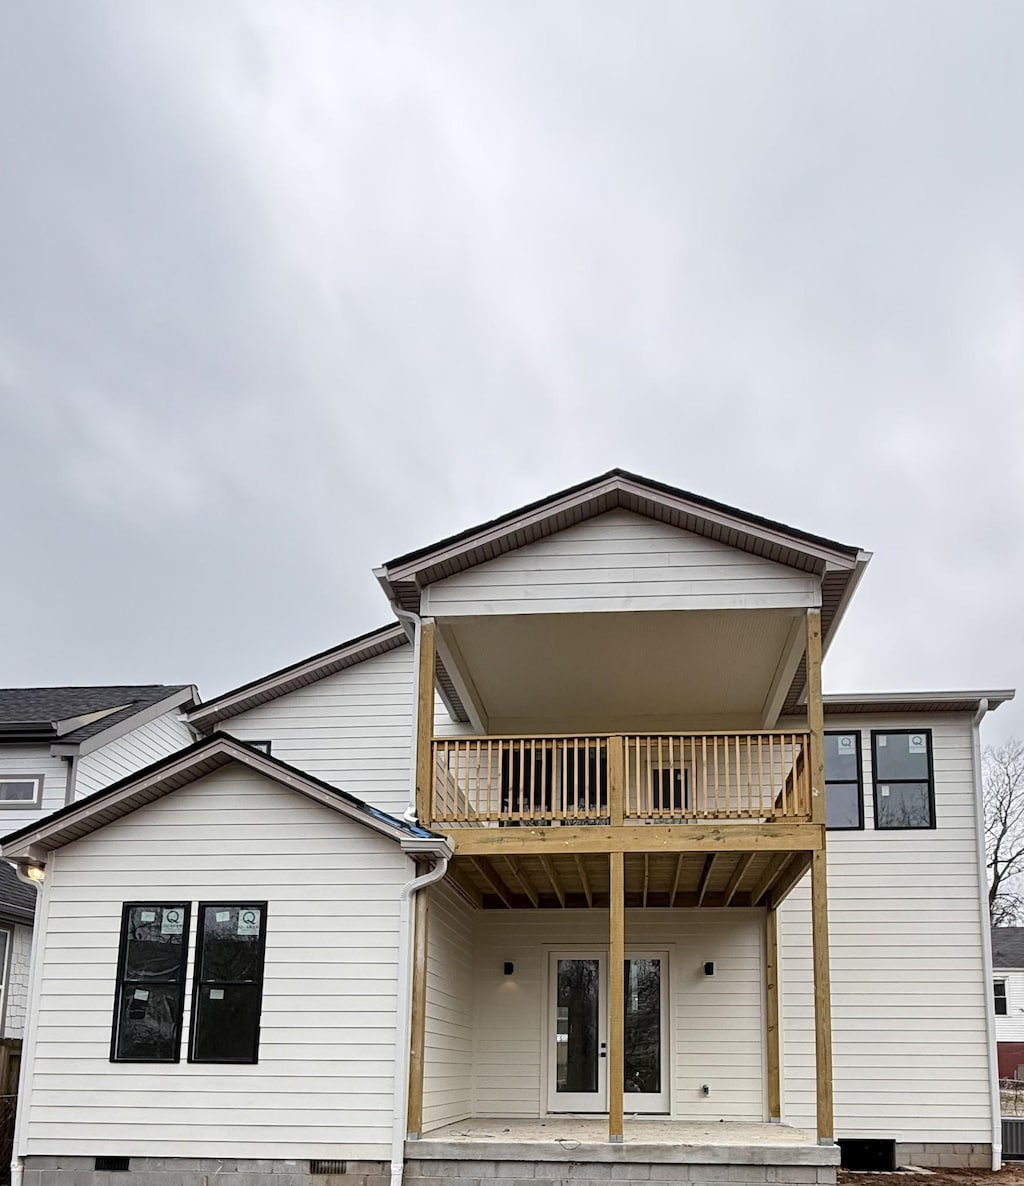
(35, 872)
(709, 968)
(509, 967)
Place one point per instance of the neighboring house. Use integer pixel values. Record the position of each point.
(57, 745)
(1008, 998)
(570, 873)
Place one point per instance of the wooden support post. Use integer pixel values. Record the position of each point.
(822, 995)
(418, 1022)
(771, 973)
(616, 993)
(815, 716)
(425, 725)
(616, 780)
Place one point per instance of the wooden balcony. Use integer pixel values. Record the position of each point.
(669, 778)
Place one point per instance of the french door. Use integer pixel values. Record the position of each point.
(578, 1032)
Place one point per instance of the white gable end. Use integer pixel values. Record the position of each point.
(621, 561)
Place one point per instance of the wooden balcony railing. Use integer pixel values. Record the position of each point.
(633, 778)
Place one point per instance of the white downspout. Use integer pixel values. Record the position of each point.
(986, 937)
(406, 615)
(403, 1027)
(17, 1157)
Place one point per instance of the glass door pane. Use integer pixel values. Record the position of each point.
(642, 1028)
(577, 1025)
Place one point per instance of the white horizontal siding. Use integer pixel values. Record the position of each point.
(621, 561)
(323, 1084)
(352, 729)
(133, 751)
(909, 996)
(448, 1039)
(1011, 1027)
(18, 760)
(716, 1027)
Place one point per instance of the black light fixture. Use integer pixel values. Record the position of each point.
(709, 968)
(509, 967)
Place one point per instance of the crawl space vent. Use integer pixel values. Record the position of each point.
(328, 1166)
(115, 1165)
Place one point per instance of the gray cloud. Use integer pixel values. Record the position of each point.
(288, 289)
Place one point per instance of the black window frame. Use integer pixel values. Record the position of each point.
(1000, 998)
(932, 824)
(123, 982)
(845, 782)
(198, 983)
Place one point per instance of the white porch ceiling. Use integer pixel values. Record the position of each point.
(603, 672)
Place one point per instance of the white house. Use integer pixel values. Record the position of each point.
(57, 745)
(1008, 998)
(571, 872)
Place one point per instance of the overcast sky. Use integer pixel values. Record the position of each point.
(288, 289)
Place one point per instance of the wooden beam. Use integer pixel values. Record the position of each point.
(524, 881)
(581, 869)
(771, 972)
(798, 837)
(790, 877)
(556, 885)
(647, 877)
(705, 877)
(769, 877)
(425, 724)
(463, 886)
(616, 993)
(418, 1017)
(822, 996)
(490, 875)
(815, 716)
(616, 780)
(737, 876)
(789, 661)
(675, 880)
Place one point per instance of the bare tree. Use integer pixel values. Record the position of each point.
(1003, 773)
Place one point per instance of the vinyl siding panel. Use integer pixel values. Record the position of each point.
(909, 997)
(621, 561)
(448, 1044)
(323, 1083)
(18, 760)
(134, 751)
(716, 1023)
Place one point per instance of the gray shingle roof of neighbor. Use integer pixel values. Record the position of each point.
(39, 710)
(1008, 947)
(17, 900)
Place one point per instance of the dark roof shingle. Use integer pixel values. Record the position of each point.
(38, 706)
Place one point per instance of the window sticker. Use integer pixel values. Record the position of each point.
(216, 994)
(918, 743)
(223, 916)
(173, 921)
(884, 792)
(141, 994)
(147, 916)
(883, 740)
(248, 922)
(845, 743)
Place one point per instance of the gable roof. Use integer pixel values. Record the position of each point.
(31, 843)
(72, 715)
(839, 566)
(1008, 947)
(916, 702)
(298, 675)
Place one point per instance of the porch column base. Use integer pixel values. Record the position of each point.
(616, 1140)
(826, 1141)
